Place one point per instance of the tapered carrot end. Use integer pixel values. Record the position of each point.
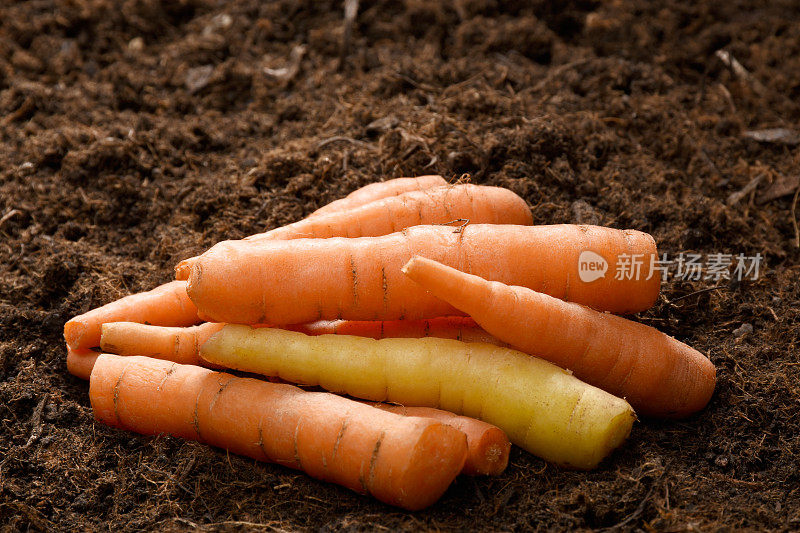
(463, 291)
(418, 266)
(488, 454)
(80, 362)
(74, 332)
(184, 269)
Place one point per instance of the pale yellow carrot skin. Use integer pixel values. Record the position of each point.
(542, 408)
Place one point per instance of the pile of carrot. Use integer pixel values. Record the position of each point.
(443, 300)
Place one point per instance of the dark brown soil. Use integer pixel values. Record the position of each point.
(134, 133)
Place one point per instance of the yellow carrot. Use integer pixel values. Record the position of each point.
(542, 408)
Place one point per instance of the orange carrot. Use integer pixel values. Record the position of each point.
(166, 305)
(81, 361)
(448, 327)
(180, 345)
(403, 461)
(657, 374)
(379, 191)
(441, 205)
(293, 282)
(364, 195)
(487, 445)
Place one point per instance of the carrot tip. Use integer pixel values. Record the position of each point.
(183, 270)
(410, 264)
(73, 333)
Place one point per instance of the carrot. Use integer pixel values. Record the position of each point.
(476, 203)
(379, 191)
(166, 305)
(292, 282)
(440, 205)
(657, 374)
(180, 345)
(543, 409)
(487, 445)
(403, 461)
(449, 327)
(81, 361)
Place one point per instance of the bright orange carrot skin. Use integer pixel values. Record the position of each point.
(448, 327)
(180, 345)
(364, 195)
(166, 305)
(80, 361)
(379, 191)
(440, 205)
(488, 446)
(658, 375)
(292, 282)
(476, 203)
(403, 461)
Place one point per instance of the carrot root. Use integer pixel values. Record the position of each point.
(365, 195)
(166, 305)
(300, 281)
(404, 461)
(542, 408)
(488, 446)
(657, 374)
(180, 345)
(80, 362)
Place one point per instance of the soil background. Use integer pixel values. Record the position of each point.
(134, 133)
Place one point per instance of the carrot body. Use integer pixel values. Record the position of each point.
(440, 205)
(380, 190)
(449, 327)
(180, 345)
(404, 461)
(292, 282)
(657, 374)
(487, 445)
(80, 361)
(166, 305)
(541, 407)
